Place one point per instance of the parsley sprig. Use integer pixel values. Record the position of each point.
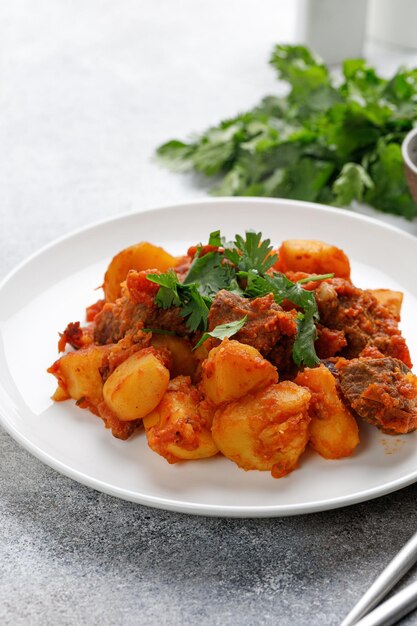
(222, 331)
(332, 139)
(210, 273)
(252, 253)
(194, 305)
(244, 267)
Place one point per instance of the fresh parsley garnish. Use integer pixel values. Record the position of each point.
(222, 331)
(215, 238)
(243, 267)
(210, 273)
(252, 253)
(303, 350)
(194, 306)
(168, 294)
(327, 141)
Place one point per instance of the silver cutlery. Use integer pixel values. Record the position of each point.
(396, 607)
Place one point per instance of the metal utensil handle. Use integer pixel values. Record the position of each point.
(391, 611)
(395, 570)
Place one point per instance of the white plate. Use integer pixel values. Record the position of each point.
(54, 286)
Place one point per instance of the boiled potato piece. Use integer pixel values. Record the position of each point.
(313, 257)
(267, 430)
(136, 386)
(141, 256)
(333, 429)
(183, 359)
(79, 376)
(391, 299)
(180, 426)
(234, 369)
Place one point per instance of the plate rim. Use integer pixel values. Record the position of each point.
(188, 507)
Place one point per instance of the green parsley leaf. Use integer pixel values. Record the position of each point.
(280, 286)
(177, 155)
(233, 184)
(215, 150)
(303, 351)
(252, 253)
(351, 184)
(308, 76)
(209, 273)
(215, 238)
(194, 306)
(167, 295)
(222, 331)
(390, 192)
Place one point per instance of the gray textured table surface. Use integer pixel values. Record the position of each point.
(87, 90)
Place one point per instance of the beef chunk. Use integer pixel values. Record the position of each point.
(106, 326)
(167, 319)
(266, 324)
(361, 319)
(281, 357)
(329, 342)
(115, 319)
(381, 391)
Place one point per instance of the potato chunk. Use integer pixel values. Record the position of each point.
(184, 362)
(136, 386)
(180, 426)
(234, 369)
(333, 429)
(267, 430)
(392, 300)
(79, 376)
(141, 256)
(313, 257)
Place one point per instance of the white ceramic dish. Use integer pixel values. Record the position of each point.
(54, 286)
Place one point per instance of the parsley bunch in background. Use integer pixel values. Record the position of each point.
(328, 140)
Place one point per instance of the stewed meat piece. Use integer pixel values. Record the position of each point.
(382, 391)
(115, 319)
(134, 309)
(267, 322)
(363, 322)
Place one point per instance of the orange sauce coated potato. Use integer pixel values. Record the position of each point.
(312, 257)
(79, 376)
(180, 426)
(141, 256)
(267, 430)
(184, 363)
(333, 429)
(234, 369)
(391, 299)
(136, 386)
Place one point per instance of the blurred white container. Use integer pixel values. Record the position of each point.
(335, 29)
(393, 22)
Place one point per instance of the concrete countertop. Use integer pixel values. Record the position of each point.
(87, 91)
